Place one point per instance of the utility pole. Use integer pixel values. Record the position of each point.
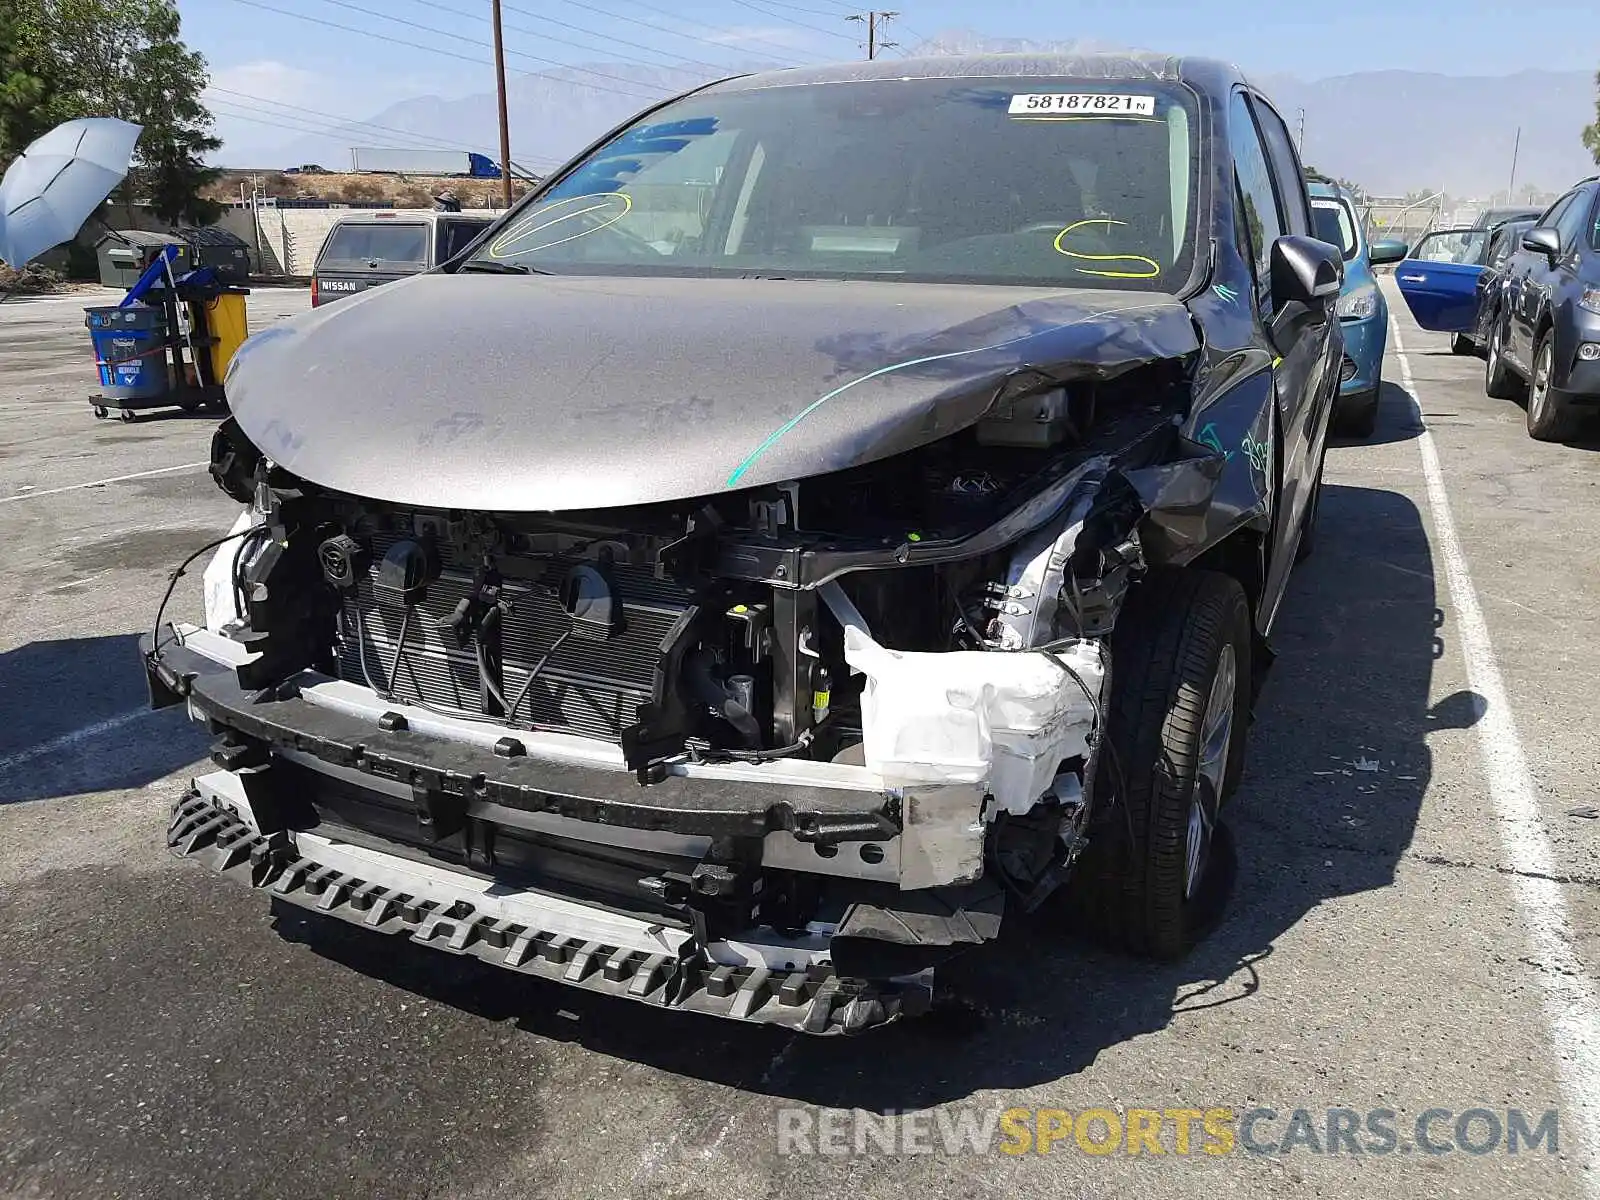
(875, 22)
(1511, 188)
(505, 127)
(1300, 132)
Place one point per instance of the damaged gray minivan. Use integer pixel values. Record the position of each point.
(841, 510)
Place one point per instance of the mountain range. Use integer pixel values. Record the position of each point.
(1392, 132)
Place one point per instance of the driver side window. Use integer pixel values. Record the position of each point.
(1258, 223)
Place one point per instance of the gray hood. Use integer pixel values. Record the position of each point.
(540, 393)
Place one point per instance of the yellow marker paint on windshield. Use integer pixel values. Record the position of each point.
(1152, 273)
(529, 226)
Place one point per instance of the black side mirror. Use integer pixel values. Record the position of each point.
(1545, 241)
(1306, 271)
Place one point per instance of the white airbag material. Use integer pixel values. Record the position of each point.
(1005, 720)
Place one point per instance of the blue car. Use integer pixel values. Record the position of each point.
(1363, 312)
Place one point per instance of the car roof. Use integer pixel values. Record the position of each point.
(1204, 74)
(1328, 191)
(403, 216)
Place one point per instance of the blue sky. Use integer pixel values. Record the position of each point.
(257, 49)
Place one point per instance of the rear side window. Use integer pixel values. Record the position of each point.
(456, 236)
(1261, 221)
(1286, 165)
(1573, 223)
(361, 244)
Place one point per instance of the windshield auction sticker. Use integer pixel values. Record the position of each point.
(1038, 104)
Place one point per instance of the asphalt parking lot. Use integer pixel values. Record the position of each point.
(1413, 927)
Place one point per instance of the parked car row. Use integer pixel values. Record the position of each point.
(1526, 295)
(1363, 313)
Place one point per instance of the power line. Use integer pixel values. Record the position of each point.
(284, 12)
(346, 124)
(754, 7)
(921, 38)
(382, 16)
(590, 46)
(832, 14)
(789, 60)
(383, 37)
(232, 111)
(301, 126)
(328, 124)
(596, 33)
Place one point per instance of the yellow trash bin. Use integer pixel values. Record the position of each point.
(227, 323)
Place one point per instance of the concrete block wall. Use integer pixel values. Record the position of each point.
(289, 238)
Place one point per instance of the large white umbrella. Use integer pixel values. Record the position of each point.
(58, 182)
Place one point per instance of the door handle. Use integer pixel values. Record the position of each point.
(1414, 279)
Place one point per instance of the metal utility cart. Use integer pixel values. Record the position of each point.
(169, 342)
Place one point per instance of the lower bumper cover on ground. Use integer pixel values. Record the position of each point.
(619, 956)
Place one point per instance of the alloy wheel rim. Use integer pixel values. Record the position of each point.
(1541, 379)
(1216, 736)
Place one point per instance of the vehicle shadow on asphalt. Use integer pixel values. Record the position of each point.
(1397, 421)
(73, 720)
(1338, 766)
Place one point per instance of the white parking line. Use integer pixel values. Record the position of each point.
(1569, 998)
(68, 740)
(72, 487)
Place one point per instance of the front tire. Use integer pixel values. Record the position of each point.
(1154, 878)
(1357, 415)
(1550, 414)
(1460, 343)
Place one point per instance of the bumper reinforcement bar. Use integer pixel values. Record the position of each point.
(815, 1000)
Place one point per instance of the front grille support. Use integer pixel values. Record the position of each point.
(585, 686)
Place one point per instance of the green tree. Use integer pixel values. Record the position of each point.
(1355, 189)
(167, 85)
(1591, 133)
(32, 99)
(127, 59)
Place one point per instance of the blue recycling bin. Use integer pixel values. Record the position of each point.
(129, 348)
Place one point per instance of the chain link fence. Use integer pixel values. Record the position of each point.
(1400, 218)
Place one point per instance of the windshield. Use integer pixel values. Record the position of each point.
(361, 244)
(1337, 226)
(1054, 182)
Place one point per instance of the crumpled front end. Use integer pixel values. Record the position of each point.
(772, 753)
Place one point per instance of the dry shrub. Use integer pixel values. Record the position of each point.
(32, 280)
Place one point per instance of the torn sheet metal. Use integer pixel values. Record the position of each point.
(1221, 480)
(942, 842)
